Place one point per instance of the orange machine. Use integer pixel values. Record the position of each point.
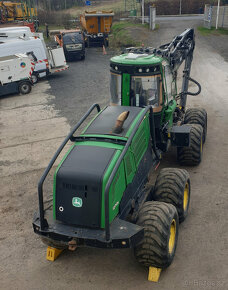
(96, 26)
(11, 11)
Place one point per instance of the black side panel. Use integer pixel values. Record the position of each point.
(157, 119)
(135, 189)
(79, 179)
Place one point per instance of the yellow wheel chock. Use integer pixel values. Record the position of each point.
(154, 274)
(53, 253)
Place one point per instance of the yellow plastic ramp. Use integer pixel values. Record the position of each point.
(154, 274)
(53, 253)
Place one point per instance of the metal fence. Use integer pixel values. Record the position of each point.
(210, 16)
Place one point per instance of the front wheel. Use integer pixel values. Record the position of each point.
(25, 87)
(161, 224)
(197, 116)
(192, 155)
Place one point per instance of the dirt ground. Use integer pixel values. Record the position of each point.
(33, 126)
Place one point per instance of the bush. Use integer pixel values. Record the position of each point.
(54, 18)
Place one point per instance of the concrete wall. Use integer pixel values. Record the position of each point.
(210, 17)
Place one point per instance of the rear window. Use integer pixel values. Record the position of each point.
(72, 38)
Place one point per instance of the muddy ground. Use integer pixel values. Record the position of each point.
(32, 128)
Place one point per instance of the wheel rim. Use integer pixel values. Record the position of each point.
(172, 236)
(186, 196)
(25, 88)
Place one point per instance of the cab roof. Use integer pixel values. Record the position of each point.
(137, 59)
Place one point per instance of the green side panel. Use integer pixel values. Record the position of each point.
(169, 112)
(116, 189)
(54, 182)
(140, 141)
(134, 123)
(126, 79)
(129, 165)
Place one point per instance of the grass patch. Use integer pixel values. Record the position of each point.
(205, 32)
(120, 36)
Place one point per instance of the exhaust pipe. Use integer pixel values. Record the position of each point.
(119, 122)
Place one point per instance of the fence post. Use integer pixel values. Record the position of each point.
(223, 16)
(207, 16)
(152, 17)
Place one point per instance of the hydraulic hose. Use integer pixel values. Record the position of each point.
(198, 85)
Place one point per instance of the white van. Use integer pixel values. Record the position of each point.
(15, 76)
(18, 32)
(47, 60)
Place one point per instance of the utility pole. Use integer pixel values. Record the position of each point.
(142, 11)
(180, 6)
(217, 18)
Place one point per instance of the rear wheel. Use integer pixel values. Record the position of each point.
(35, 78)
(192, 155)
(161, 224)
(25, 87)
(173, 186)
(197, 116)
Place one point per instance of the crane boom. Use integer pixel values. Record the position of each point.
(179, 50)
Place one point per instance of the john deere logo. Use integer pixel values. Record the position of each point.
(77, 201)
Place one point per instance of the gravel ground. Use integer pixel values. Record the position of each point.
(32, 128)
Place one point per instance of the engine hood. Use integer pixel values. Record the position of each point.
(78, 185)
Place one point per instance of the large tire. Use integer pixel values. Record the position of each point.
(197, 116)
(25, 87)
(161, 224)
(173, 186)
(192, 155)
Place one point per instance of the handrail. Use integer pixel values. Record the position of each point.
(43, 222)
(116, 167)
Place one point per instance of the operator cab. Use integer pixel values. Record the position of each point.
(137, 85)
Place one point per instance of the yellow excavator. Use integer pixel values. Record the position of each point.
(13, 11)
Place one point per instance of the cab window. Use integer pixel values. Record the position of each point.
(146, 90)
(115, 88)
(169, 82)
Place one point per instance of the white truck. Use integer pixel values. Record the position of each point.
(15, 74)
(48, 60)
